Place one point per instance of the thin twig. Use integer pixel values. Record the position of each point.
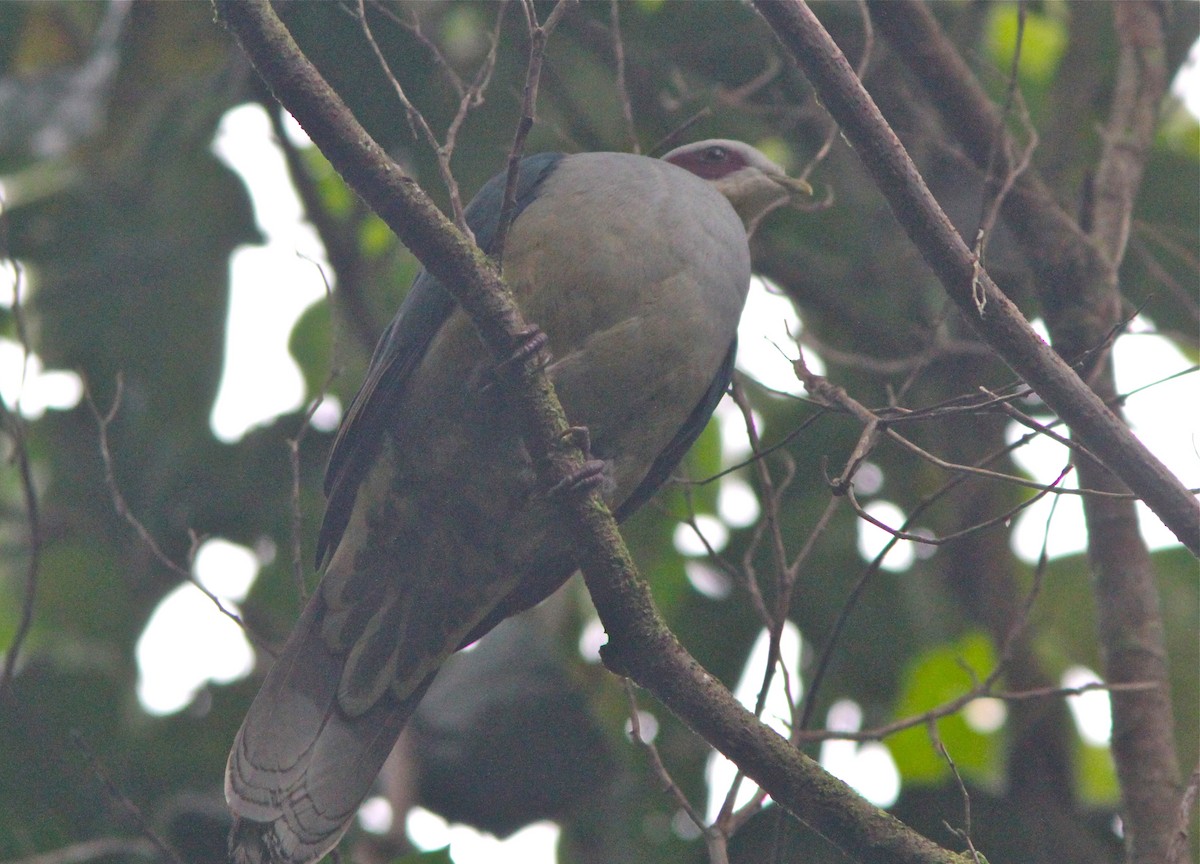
(539, 34)
(121, 506)
(122, 800)
(90, 850)
(953, 706)
(419, 125)
(14, 425)
(618, 45)
(295, 441)
(739, 95)
(660, 769)
(965, 831)
(995, 192)
(1178, 853)
(1003, 326)
(413, 26)
(668, 141)
(861, 70)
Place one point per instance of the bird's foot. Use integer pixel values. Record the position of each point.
(580, 437)
(593, 474)
(530, 342)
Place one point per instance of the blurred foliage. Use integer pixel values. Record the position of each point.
(123, 222)
(933, 678)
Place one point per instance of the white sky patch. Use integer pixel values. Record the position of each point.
(9, 277)
(23, 377)
(647, 726)
(776, 711)
(1187, 83)
(591, 639)
(1166, 417)
(270, 285)
(328, 414)
(868, 767)
(868, 479)
(985, 715)
(1092, 710)
(767, 339)
(187, 641)
(707, 579)
(737, 505)
(375, 815)
(688, 542)
(533, 844)
(872, 538)
(735, 443)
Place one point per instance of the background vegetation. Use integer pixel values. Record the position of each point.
(122, 222)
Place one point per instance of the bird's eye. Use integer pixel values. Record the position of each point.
(715, 154)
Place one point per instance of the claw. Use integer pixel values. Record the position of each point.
(582, 482)
(529, 343)
(581, 438)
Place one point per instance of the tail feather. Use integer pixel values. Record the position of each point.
(300, 766)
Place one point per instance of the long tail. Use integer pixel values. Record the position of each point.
(300, 767)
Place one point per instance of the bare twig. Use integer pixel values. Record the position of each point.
(294, 443)
(539, 34)
(413, 26)
(965, 831)
(739, 95)
(103, 421)
(717, 842)
(668, 141)
(14, 425)
(982, 690)
(618, 45)
(90, 850)
(949, 349)
(1002, 325)
(419, 126)
(996, 189)
(1178, 853)
(119, 798)
(861, 70)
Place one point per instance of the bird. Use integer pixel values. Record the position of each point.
(635, 270)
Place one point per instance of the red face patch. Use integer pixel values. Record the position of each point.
(711, 162)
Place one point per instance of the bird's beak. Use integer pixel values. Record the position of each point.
(794, 185)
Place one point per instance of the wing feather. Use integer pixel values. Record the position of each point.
(400, 351)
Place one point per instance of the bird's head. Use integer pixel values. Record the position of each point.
(753, 183)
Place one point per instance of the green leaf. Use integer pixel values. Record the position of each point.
(310, 345)
(1042, 44)
(935, 677)
(1097, 775)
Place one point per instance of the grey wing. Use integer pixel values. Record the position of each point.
(401, 348)
(671, 455)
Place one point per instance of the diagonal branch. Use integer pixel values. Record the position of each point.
(993, 315)
(1078, 285)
